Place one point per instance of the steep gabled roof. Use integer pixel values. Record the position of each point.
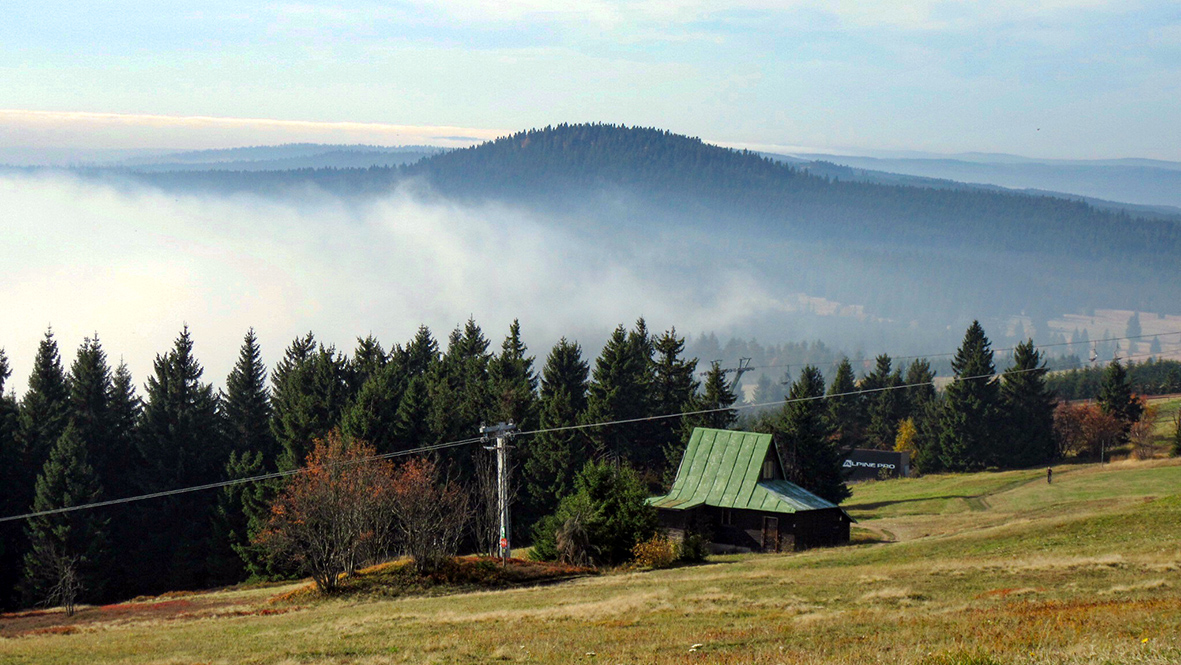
(721, 468)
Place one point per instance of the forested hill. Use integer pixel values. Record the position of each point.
(883, 245)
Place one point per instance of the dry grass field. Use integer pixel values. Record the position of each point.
(958, 569)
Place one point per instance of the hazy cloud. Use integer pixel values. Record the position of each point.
(136, 264)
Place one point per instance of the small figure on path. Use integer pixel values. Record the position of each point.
(1049, 475)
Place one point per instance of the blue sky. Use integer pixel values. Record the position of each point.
(1061, 79)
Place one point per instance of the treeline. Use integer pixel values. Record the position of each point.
(596, 435)
(84, 434)
(1150, 377)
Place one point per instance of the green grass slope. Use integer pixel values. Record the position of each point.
(981, 568)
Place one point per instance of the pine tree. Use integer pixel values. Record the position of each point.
(807, 446)
(412, 421)
(72, 543)
(181, 445)
(968, 431)
(552, 458)
(1117, 399)
(513, 383)
(45, 410)
(674, 390)
(421, 354)
(1028, 407)
(11, 477)
(124, 410)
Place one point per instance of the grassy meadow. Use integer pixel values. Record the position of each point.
(957, 569)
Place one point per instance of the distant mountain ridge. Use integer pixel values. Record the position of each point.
(893, 244)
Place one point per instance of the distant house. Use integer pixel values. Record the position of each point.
(730, 487)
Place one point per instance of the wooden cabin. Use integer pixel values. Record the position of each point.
(731, 489)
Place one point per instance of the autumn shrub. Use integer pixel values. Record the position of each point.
(1085, 430)
(333, 515)
(430, 513)
(656, 552)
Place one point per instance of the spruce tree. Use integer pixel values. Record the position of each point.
(460, 395)
(373, 415)
(368, 358)
(421, 354)
(412, 420)
(182, 445)
(124, 411)
(247, 403)
(11, 477)
(513, 383)
(308, 398)
(90, 409)
(45, 409)
(552, 458)
(72, 543)
(246, 410)
(920, 386)
(674, 390)
(1028, 408)
(842, 407)
(618, 391)
(1117, 399)
(717, 398)
(812, 458)
(968, 422)
(885, 404)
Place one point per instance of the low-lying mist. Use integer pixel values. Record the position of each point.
(134, 264)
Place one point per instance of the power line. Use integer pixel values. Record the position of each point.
(234, 481)
(461, 442)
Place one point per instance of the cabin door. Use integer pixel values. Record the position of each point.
(770, 534)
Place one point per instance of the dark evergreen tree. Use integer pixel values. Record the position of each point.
(766, 391)
(367, 360)
(806, 443)
(716, 398)
(310, 394)
(1117, 398)
(1028, 408)
(91, 391)
(247, 403)
(11, 478)
(513, 382)
(44, 411)
(72, 543)
(618, 391)
(553, 458)
(885, 404)
(373, 415)
(460, 398)
(412, 420)
(1133, 330)
(240, 514)
(246, 410)
(928, 422)
(674, 390)
(842, 407)
(421, 354)
(182, 445)
(968, 422)
(920, 384)
(124, 412)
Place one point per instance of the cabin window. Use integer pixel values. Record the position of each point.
(727, 517)
(768, 469)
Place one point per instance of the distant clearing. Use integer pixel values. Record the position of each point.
(986, 568)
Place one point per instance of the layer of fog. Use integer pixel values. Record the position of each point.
(135, 265)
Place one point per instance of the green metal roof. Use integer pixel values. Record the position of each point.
(721, 468)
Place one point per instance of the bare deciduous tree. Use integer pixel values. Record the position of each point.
(430, 513)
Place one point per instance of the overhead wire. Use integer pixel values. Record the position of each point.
(471, 440)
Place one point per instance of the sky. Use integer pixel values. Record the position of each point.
(1067, 79)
